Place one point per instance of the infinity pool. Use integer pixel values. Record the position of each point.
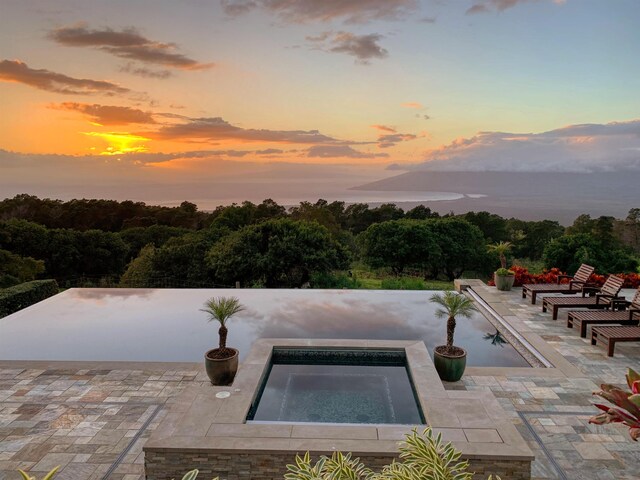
(166, 325)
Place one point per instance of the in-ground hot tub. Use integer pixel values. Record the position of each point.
(365, 386)
(207, 427)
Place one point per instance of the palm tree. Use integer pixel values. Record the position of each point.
(221, 309)
(501, 248)
(452, 304)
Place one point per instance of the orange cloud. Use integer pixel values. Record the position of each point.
(107, 114)
(412, 105)
(384, 128)
(216, 129)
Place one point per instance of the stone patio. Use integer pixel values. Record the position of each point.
(93, 418)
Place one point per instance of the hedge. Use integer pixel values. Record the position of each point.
(21, 296)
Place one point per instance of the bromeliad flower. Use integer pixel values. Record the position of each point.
(627, 405)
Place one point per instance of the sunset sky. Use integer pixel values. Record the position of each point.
(96, 95)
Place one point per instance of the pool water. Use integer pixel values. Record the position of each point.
(166, 325)
(337, 391)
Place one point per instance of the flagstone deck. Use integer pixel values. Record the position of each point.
(92, 419)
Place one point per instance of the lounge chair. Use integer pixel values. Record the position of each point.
(601, 300)
(630, 316)
(613, 335)
(579, 280)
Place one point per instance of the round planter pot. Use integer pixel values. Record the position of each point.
(503, 282)
(450, 368)
(221, 371)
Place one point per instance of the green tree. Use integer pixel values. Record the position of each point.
(420, 212)
(136, 238)
(537, 234)
(492, 226)
(462, 246)
(15, 269)
(139, 272)
(399, 245)
(181, 261)
(277, 253)
(569, 251)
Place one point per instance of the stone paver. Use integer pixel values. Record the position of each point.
(82, 419)
(552, 413)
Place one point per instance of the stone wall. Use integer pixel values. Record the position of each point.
(172, 464)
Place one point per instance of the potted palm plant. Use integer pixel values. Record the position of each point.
(503, 277)
(449, 360)
(222, 362)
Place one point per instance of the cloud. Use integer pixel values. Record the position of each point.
(217, 129)
(478, 8)
(362, 47)
(384, 128)
(269, 151)
(128, 44)
(19, 72)
(386, 141)
(145, 72)
(423, 116)
(107, 114)
(332, 151)
(500, 5)
(304, 11)
(416, 105)
(391, 137)
(576, 148)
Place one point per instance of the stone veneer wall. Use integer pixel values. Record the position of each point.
(167, 465)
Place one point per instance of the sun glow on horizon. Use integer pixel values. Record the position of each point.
(120, 142)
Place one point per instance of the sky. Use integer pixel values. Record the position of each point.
(285, 97)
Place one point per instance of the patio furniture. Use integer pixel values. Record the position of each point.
(601, 300)
(630, 316)
(613, 335)
(579, 280)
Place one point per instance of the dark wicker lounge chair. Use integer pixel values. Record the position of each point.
(630, 316)
(579, 280)
(613, 335)
(601, 300)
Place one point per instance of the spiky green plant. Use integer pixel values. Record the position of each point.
(452, 304)
(221, 309)
(422, 456)
(627, 405)
(192, 475)
(48, 476)
(501, 248)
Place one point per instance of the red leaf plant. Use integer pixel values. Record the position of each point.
(627, 405)
(523, 277)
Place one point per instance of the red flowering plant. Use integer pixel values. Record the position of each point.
(626, 409)
(631, 280)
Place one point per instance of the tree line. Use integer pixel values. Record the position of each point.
(105, 242)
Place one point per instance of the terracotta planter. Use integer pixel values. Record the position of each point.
(450, 368)
(221, 371)
(503, 282)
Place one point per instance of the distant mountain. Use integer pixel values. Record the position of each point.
(554, 195)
